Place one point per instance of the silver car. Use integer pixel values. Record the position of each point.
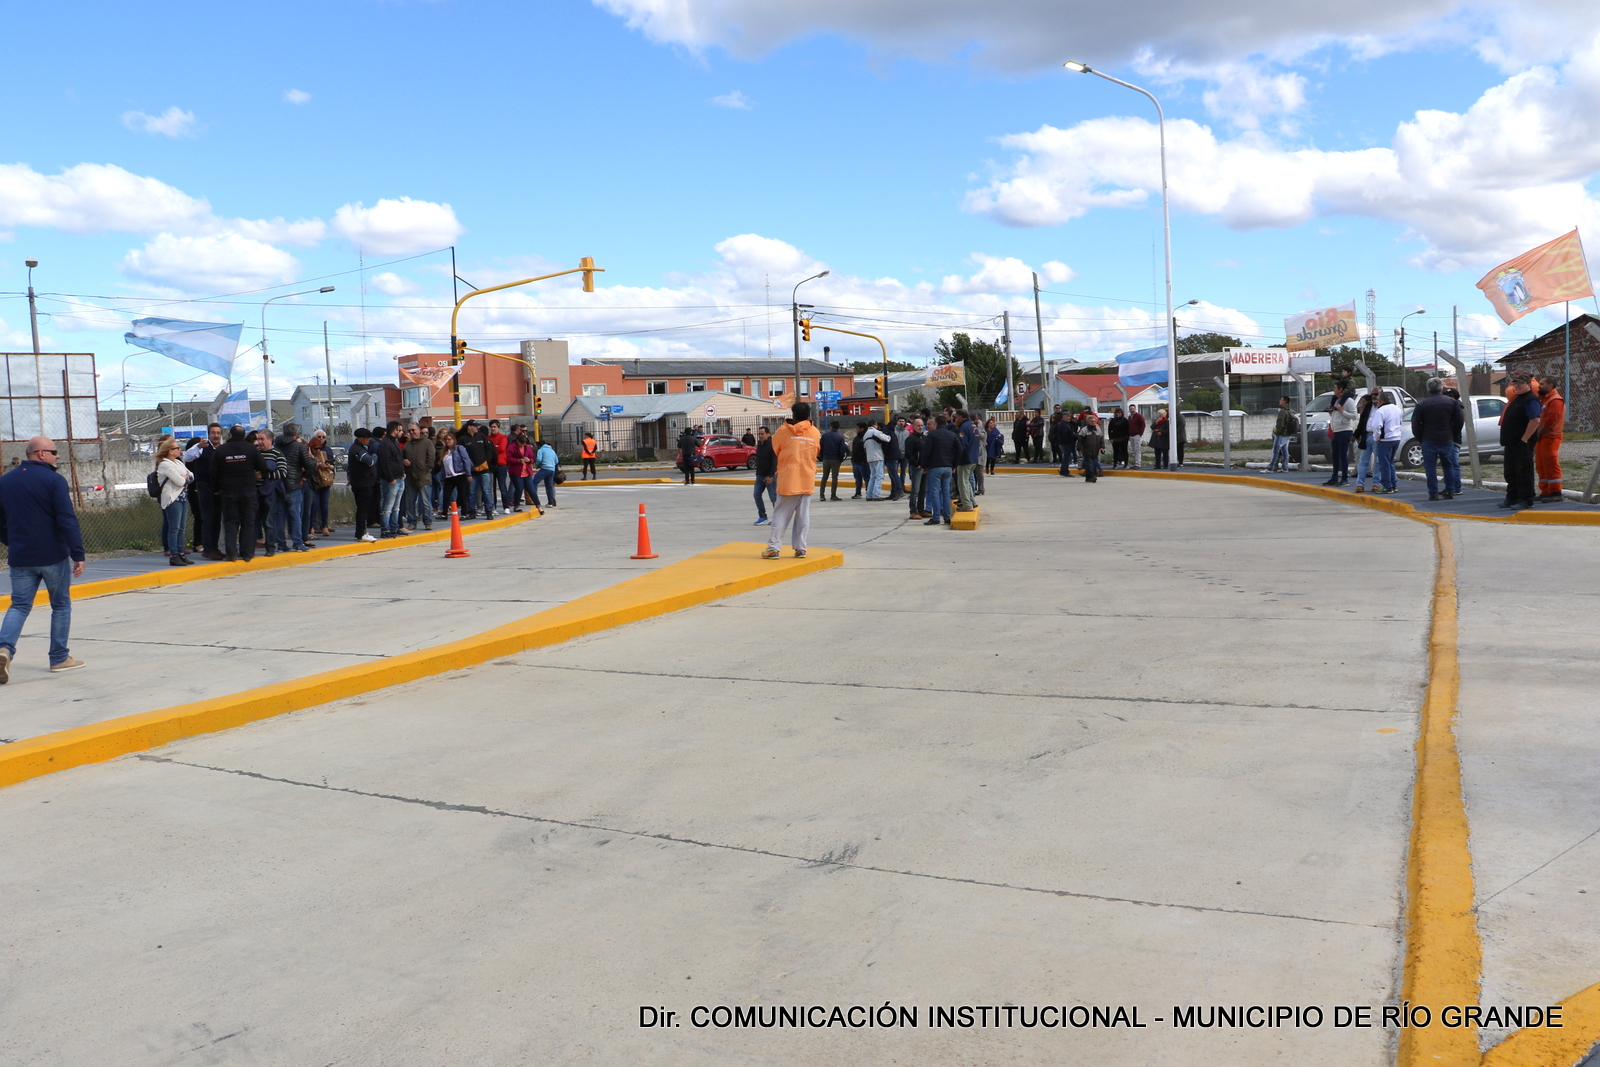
(1487, 424)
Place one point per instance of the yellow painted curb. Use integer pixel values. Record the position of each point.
(1549, 1046)
(964, 520)
(570, 484)
(182, 575)
(721, 572)
(1444, 957)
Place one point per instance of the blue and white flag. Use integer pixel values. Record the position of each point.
(207, 346)
(1004, 396)
(1147, 366)
(236, 410)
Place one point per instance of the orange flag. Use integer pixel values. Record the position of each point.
(1549, 274)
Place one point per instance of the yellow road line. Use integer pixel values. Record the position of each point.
(200, 572)
(721, 572)
(1550, 1047)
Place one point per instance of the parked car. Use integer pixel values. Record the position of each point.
(723, 450)
(1409, 454)
(1317, 420)
(1234, 414)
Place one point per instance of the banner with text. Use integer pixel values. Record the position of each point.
(1324, 328)
(1256, 360)
(435, 378)
(946, 374)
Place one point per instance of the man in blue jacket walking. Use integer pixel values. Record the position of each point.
(43, 545)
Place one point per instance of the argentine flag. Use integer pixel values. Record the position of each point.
(1147, 366)
(236, 410)
(1004, 396)
(207, 346)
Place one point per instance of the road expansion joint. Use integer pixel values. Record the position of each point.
(841, 859)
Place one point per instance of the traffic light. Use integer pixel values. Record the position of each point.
(880, 385)
(587, 263)
(461, 350)
(538, 405)
(805, 329)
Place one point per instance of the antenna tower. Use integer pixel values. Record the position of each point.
(1372, 321)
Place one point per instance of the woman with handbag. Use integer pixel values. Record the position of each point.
(174, 478)
(519, 456)
(318, 488)
(456, 472)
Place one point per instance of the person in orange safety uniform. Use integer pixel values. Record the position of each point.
(1547, 448)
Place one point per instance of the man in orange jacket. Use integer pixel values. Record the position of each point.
(590, 450)
(796, 444)
(1547, 449)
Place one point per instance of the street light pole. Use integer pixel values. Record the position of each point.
(266, 364)
(1403, 318)
(794, 314)
(1166, 231)
(33, 307)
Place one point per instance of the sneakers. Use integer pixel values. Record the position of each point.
(762, 521)
(799, 553)
(179, 561)
(5, 666)
(366, 537)
(68, 664)
(769, 553)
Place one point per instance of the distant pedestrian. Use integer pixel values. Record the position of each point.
(996, 442)
(362, 475)
(796, 445)
(1117, 434)
(589, 454)
(1160, 439)
(1090, 444)
(319, 489)
(1019, 436)
(1518, 423)
(897, 460)
(1367, 456)
(688, 460)
(274, 498)
(940, 453)
(834, 451)
(545, 463)
(173, 478)
(968, 461)
(201, 460)
(919, 477)
(1136, 429)
(520, 458)
(858, 459)
(239, 470)
(766, 476)
(455, 475)
(1547, 444)
(420, 457)
(1341, 427)
(391, 479)
(1283, 430)
(1036, 434)
(44, 546)
(1436, 422)
(874, 443)
(1385, 425)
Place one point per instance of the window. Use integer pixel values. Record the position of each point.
(1490, 409)
(411, 398)
(805, 386)
(825, 385)
(698, 386)
(595, 389)
(547, 385)
(734, 387)
(774, 386)
(469, 396)
(655, 388)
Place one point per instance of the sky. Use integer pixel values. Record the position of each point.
(173, 160)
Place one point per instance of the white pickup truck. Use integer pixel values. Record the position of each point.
(1409, 454)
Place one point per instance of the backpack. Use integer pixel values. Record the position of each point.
(152, 484)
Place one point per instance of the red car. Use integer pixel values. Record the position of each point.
(723, 450)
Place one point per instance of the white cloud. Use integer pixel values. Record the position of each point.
(296, 96)
(735, 99)
(218, 263)
(173, 122)
(1008, 275)
(1492, 181)
(391, 284)
(101, 198)
(397, 227)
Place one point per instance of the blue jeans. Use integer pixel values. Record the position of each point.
(1367, 464)
(294, 508)
(389, 504)
(172, 524)
(1435, 453)
(57, 579)
(1280, 453)
(482, 501)
(939, 492)
(525, 486)
(504, 482)
(767, 488)
(416, 508)
(1341, 455)
(874, 479)
(316, 508)
(548, 478)
(1091, 465)
(859, 471)
(1386, 463)
(270, 519)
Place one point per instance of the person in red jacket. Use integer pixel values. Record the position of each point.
(1136, 429)
(501, 472)
(1547, 447)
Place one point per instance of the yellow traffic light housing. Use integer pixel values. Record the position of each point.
(538, 405)
(461, 350)
(805, 329)
(881, 386)
(588, 267)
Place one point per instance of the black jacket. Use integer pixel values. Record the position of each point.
(858, 448)
(1514, 423)
(1117, 428)
(1437, 418)
(914, 442)
(235, 467)
(833, 447)
(391, 461)
(480, 450)
(362, 462)
(891, 448)
(297, 461)
(766, 459)
(941, 449)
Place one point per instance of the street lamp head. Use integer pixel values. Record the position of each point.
(32, 263)
(1074, 65)
(326, 289)
(824, 274)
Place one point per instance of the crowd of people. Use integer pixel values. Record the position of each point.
(227, 494)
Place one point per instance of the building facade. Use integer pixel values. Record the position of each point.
(1550, 355)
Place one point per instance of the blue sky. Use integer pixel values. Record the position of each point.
(867, 143)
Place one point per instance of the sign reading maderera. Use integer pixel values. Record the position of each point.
(1256, 360)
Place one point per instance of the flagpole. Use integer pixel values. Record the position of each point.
(1038, 325)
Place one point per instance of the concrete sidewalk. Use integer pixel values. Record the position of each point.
(1137, 743)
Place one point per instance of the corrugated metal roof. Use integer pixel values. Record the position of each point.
(717, 368)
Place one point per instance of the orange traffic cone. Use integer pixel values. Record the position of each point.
(644, 538)
(458, 549)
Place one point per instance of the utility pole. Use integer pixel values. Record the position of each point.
(33, 307)
(1038, 325)
(327, 364)
(1011, 383)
